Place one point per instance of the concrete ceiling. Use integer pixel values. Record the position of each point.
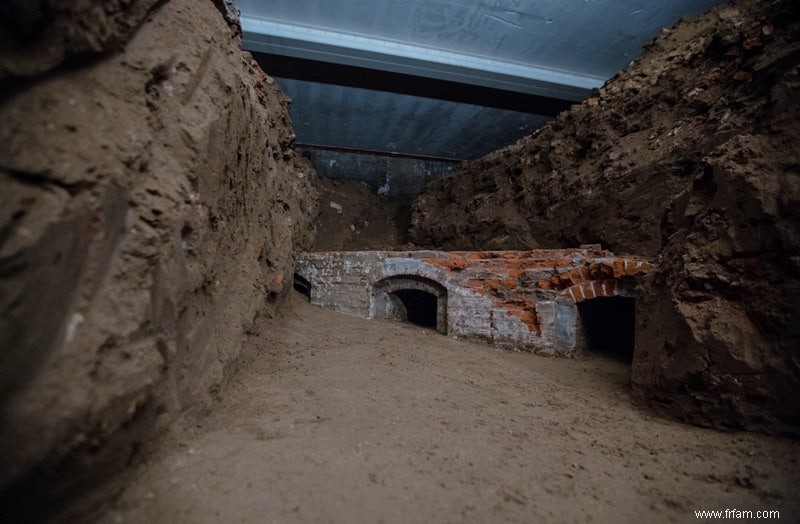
(449, 79)
(369, 120)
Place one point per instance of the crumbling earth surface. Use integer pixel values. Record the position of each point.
(37, 36)
(690, 156)
(353, 218)
(150, 207)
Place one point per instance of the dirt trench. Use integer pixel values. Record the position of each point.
(332, 418)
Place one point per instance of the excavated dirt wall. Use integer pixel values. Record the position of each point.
(39, 35)
(690, 156)
(150, 207)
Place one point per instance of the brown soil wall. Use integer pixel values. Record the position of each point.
(151, 203)
(690, 156)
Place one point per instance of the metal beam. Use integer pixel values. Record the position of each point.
(280, 38)
(371, 152)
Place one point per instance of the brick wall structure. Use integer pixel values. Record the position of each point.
(519, 299)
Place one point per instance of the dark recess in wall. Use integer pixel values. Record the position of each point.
(609, 325)
(303, 286)
(420, 307)
(351, 76)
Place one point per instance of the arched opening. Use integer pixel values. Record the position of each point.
(411, 298)
(302, 285)
(608, 326)
(418, 307)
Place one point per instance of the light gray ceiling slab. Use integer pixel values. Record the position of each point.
(577, 43)
(364, 119)
(557, 49)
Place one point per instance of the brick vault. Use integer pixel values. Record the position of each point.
(520, 299)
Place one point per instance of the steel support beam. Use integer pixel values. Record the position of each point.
(279, 38)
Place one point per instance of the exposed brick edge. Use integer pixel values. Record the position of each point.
(597, 276)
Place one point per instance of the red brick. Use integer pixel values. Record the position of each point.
(529, 318)
(634, 267)
(492, 283)
(600, 271)
(619, 268)
(575, 276)
(515, 272)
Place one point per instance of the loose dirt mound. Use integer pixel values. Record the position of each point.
(690, 155)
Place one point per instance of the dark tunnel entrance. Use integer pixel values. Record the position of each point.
(302, 285)
(411, 298)
(608, 326)
(418, 307)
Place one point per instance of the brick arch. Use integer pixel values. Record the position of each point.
(423, 272)
(415, 281)
(610, 277)
(381, 302)
(593, 289)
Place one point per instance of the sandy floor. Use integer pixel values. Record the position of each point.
(339, 419)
